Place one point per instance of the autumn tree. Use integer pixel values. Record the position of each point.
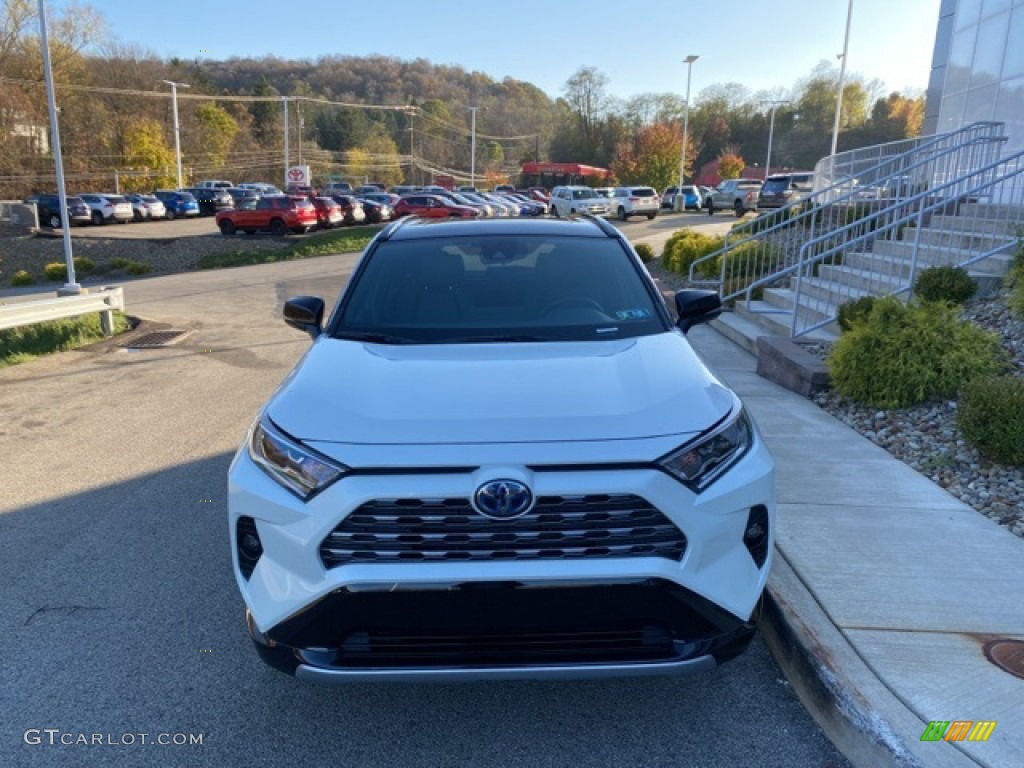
(653, 159)
(730, 163)
(217, 131)
(146, 151)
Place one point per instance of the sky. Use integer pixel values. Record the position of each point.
(638, 44)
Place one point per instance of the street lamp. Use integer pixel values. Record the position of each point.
(842, 79)
(775, 104)
(177, 139)
(472, 149)
(680, 200)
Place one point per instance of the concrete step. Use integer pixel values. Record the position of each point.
(965, 238)
(853, 282)
(819, 299)
(942, 256)
(878, 263)
(739, 330)
(778, 321)
(993, 211)
(997, 226)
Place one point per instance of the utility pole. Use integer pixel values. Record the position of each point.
(284, 101)
(680, 201)
(472, 150)
(298, 114)
(775, 104)
(842, 79)
(70, 286)
(177, 139)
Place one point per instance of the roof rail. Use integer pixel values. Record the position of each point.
(602, 223)
(385, 234)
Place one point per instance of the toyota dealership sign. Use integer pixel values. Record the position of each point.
(298, 175)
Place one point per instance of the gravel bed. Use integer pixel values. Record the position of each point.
(926, 436)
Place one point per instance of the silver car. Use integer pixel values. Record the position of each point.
(146, 207)
(106, 208)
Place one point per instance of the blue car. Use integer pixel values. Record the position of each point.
(692, 198)
(178, 203)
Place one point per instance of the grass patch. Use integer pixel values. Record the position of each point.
(18, 345)
(322, 244)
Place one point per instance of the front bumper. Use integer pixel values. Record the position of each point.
(573, 615)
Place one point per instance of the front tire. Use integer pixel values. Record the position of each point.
(97, 218)
(739, 209)
(227, 227)
(623, 216)
(278, 228)
(650, 216)
(170, 215)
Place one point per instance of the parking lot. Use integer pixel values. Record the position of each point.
(120, 613)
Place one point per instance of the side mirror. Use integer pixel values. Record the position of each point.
(695, 307)
(305, 313)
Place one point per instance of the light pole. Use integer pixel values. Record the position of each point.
(472, 149)
(680, 201)
(842, 79)
(284, 101)
(771, 131)
(70, 286)
(177, 139)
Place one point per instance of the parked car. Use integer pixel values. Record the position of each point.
(781, 189)
(539, 194)
(575, 199)
(738, 195)
(214, 184)
(463, 198)
(433, 207)
(417, 501)
(526, 206)
(280, 214)
(604, 191)
(104, 209)
(501, 188)
(635, 201)
(211, 199)
(301, 190)
(337, 188)
(262, 187)
(668, 197)
(48, 210)
(471, 188)
(328, 212)
(384, 198)
(376, 213)
(178, 204)
(401, 189)
(240, 194)
(146, 207)
(369, 188)
(691, 196)
(510, 208)
(351, 209)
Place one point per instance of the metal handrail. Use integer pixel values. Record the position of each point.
(809, 204)
(963, 189)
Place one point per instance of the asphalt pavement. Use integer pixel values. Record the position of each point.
(120, 616)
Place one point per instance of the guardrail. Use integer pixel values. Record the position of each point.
(104, 301)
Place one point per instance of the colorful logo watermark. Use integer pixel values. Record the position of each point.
(958, 730)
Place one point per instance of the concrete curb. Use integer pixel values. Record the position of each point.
(858, 713)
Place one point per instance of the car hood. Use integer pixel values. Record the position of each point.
(374, 394)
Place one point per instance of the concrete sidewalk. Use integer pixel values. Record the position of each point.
(884, 590)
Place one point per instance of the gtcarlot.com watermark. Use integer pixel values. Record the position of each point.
(53, 737)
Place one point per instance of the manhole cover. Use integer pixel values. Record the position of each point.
(155, 339)
(1006, 654)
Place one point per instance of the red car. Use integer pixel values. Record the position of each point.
(280, 214)
(351, 209)
(433, 207)
(328, 212)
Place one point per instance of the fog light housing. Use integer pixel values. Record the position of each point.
(250, 548)
(755, 534)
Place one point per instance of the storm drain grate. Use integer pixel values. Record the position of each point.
(155, 339)
(1006, 654)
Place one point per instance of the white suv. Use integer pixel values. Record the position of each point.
(635, 201)
(500, 458)
(566, 201)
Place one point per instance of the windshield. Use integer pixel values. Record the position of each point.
(583, 194)
(776, 185)
(498, 288)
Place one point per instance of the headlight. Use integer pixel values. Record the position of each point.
(701, 462)
(301, 470)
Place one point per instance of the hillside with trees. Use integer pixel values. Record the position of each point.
(379, 117)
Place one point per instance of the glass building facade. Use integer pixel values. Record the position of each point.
(978, 68)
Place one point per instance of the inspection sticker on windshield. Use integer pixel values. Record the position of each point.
(632, 314)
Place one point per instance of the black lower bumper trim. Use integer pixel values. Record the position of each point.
(506, 626)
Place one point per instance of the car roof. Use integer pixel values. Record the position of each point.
(420, 229)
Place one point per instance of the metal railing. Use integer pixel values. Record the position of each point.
(33, 311)
(764, 249)
(967, 221)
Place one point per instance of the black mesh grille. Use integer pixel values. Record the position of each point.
(558, 527)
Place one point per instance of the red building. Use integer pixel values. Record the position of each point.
(550, 175)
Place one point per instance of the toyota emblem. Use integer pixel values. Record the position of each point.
(503, 499)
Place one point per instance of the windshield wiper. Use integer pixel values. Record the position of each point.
(498, 338)
(375, 338)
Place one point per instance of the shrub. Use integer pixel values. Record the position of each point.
(21, 277)
(137, 268)
(84, 265)
(1015, 280)
(854, 312)
(645, 252)
(907, 354)
(947, 284)
(990, 413)
(685, 247)
(119, 263)
(55, 271)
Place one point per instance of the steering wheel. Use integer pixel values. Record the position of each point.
(573, 301)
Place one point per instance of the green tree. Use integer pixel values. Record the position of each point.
(267, 116)
(146, 150)
(217, 132)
